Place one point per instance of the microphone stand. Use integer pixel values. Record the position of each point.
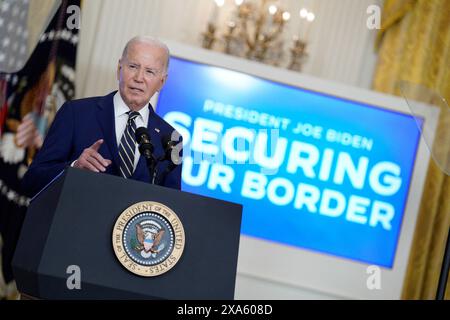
(146, 149)
(151, 165)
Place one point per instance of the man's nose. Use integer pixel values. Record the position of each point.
(139, 75)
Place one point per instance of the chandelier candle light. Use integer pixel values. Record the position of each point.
(209, 35)
(298, 51)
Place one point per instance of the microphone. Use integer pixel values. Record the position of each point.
(146, 149)
(144, 142)
(171, 154)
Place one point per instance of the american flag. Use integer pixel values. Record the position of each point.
(13, 34)
(38, 86)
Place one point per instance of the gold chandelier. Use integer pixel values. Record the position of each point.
(255, 31)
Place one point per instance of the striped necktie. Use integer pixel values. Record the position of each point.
(128, 146)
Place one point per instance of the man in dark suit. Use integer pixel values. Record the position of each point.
(97, 134)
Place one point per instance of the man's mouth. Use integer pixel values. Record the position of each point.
(136, 90)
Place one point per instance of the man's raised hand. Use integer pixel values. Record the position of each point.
(91, 160)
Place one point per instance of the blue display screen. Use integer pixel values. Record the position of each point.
(312, 170)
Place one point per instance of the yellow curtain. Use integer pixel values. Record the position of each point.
(414, 45)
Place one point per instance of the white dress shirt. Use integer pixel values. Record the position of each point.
(121, 118)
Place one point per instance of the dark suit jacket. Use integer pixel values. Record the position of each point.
(80, 123)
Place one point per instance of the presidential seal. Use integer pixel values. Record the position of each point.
(148, 238)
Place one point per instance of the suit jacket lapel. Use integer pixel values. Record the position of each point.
(105, 117)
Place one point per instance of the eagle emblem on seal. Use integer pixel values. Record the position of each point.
(149, 235)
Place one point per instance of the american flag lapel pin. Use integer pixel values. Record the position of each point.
(157, 130)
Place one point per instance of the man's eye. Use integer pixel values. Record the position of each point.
(150, 72)
(132, 66)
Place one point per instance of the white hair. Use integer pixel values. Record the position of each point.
(153, 42)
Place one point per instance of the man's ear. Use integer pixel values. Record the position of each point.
(163, 81)
(119, 66)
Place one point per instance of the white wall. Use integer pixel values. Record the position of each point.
(341, 50)
(341, 47)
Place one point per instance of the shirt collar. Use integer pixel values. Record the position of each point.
(121, 108)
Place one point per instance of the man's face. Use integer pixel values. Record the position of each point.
(141, 73)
